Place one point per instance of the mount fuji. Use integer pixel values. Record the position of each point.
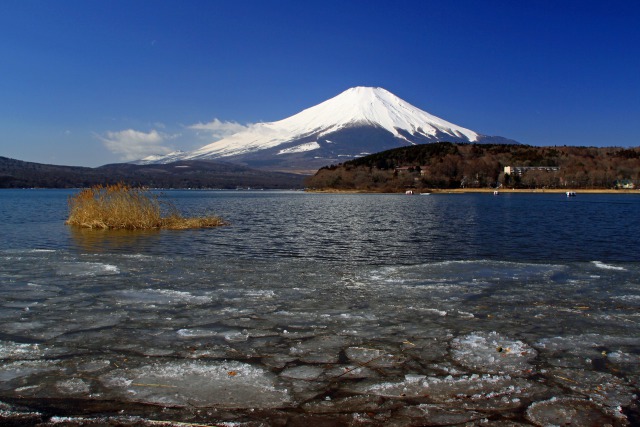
(357, 122)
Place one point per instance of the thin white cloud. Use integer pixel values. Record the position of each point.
(218, 129)
(131, 144)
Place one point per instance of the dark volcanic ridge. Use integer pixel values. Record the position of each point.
(181, 174)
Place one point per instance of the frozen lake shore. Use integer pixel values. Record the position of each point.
(140, 339)
(316, 309)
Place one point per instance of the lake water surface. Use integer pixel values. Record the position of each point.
(325, 309)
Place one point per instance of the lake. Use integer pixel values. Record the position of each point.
(325, 309)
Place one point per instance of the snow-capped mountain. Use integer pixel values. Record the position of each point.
(357, 122)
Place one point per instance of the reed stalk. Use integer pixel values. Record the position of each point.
(120, 206)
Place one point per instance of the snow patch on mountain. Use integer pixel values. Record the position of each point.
(309, 146)
(177, 155)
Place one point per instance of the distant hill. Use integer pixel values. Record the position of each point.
(456, 165)
(182, 174)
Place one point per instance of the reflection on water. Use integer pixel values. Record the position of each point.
(99, 241)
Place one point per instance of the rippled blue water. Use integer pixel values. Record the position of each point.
(361, 228)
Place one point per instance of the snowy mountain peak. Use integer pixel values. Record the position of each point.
(378, 106)
(358, 121)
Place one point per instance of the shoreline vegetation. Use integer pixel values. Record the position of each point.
(459, 167)
(486, 190)
(122, 207)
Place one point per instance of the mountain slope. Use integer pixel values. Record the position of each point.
(359, 121)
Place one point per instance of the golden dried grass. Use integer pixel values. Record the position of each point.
(120, 206)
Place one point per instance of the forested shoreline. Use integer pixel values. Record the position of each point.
(447, 165)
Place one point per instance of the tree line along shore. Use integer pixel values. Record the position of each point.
(445, 166)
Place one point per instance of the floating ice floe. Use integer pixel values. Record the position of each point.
(304, 372)
(235, 336)
(198, 384)
(434, 311)
(277, 361)
(604, 266)
(493, 353)
(196, 333)
(494, 392)
(580, 343)
(584, 351)
(259, 294)
(30, 291)
(350, 372)
(347, 404)
(439, 415)
(322, 349)
(24, 368)
(568, 411)
(601, 387)
(373, 357)
(93, 365)
(159, 296)
(57, 323)
(623, 361)
(86, 269)
(72, 387)
(12, 350)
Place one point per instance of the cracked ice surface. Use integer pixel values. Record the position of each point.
(579, 412)
(600, 387)
(21, 369)
(199, 384)
(472, 390)
(493, 353)
(317, 343)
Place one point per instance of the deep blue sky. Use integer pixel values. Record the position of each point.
(91, 82)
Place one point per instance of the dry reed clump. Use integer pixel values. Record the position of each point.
(120, 206)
